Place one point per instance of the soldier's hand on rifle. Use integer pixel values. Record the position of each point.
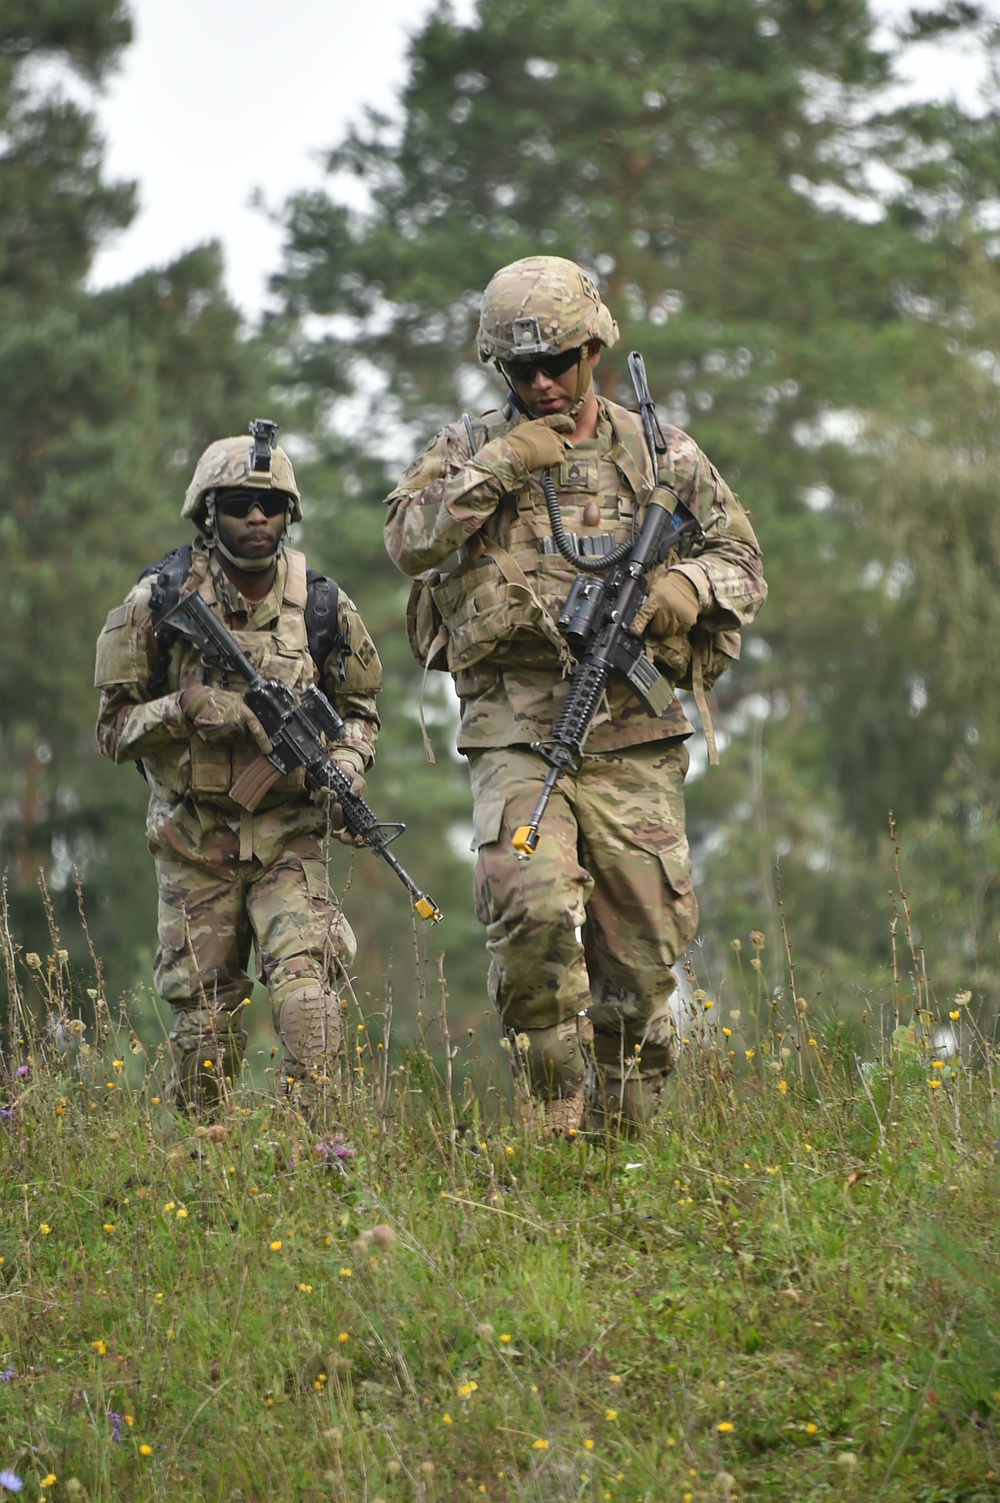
(217, 713)
(327, 800)
(534, 445)
(670, 609)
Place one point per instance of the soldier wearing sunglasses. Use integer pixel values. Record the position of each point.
(231, 880)
(495, 520)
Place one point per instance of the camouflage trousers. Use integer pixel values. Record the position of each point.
(208, 922)
(593, 922)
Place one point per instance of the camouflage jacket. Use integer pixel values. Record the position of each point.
(475, 526)
(190, 811)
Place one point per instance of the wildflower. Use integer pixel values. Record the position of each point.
(446, 1419)
(955, 1015)
(811, 1428)
(45, 1229)
(347, 1273)
(49, 1481)
(305, 1289)
(736, 945)
(100, 1347)
(613, 1378)
(129, 1420)
(611, 1414)
(145, 1450)
(709, 1003)
(8, 1375)
(937, 1064)
(10, 1480)
(465, 1389)
(962, 999)
(588, 1444)
(935, 1085)
(540, 1445)
(750, 1053)
(181, 1214)
(728, 1032)
(782, 1086)
(33, 960)
(671, 1441)
(505, 1337)
(343, 1337)
(109, 1227)
(276, 1245)
(117, 1064)
(811, 1043)
(757, 939)
(208, 1064)
(726, 1427)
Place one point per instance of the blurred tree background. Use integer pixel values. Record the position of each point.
(809, 267)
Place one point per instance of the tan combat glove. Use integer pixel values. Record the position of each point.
(349, 762)
(219, 713)
(535, 445)
(670, 609)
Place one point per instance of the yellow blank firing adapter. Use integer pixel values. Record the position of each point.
(428, 909)
(525, 840)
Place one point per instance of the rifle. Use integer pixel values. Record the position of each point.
(597, 616)
(297, 729)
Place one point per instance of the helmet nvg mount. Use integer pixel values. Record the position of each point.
(250, 463)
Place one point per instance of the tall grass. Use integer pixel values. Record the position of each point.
(788, 1290)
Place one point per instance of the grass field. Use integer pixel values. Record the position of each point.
(790, 1290)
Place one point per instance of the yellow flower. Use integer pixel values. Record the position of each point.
(49, 1481)
(181, 1214)
(446, 1419)
(109, 1226)
(505, 1337)
(937, 1064)
(129, 1419)
(811, 1043)
(750, 1053)
(510, 1151)
(156, 1100)
(466, 1388)
(613, 1378)
(725, 1427)
(935, 1085)
(276, 1245)
(208, 1064)
(145, 1450)
(117, 1063)
(955, 1015)
(100, 1347)
(611, 1414)
(588, 1444)
(347, 1273)
(170, 1205)
(782, 1086)
(45, 1229)
(707, 1005)
(343, 1336)
(540, 1445)
(671, 1441)
(728, 1032)
(305, 1289)
(811, 1429)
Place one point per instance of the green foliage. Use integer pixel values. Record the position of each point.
(106, 398)
(758, 1300)
(825, 337)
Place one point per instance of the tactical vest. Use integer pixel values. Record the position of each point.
(502, 600)
(208, 769)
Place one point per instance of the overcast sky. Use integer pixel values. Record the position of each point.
(220, 99)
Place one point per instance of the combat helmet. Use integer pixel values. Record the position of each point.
(247, 463)
(541, 305)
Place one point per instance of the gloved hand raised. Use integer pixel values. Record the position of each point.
(220, 713)
(670, 609)
(330, 805)
(535, 445)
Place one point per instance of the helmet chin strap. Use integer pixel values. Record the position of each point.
(245, 565)
(584, 379)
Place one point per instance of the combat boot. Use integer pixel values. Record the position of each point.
(623, 1108)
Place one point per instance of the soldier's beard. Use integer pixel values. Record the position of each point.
(246, 565)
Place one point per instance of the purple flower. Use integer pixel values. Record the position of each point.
(23, 1070)
(335, 1148)
(11, 1481)
(8, 1376)
(115, 1421)
(6, 1113)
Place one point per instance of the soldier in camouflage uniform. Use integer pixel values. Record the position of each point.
(582, 936)
(228, 878)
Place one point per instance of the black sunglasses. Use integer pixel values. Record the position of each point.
(523, 371)
(239, 504)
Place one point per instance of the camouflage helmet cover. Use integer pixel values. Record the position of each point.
(228, 463)
(541, 305)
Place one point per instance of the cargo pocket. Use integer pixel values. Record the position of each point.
(487, 827)
(116, 659)
(679, 921)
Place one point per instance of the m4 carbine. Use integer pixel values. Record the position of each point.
(597, 618)
(298, 730)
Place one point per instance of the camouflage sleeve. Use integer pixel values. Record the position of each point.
(725, 565)
(442, 499)
(353, 686)
(129, 722)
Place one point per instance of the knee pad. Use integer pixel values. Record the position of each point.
(554, 1059)
(308, 1020)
